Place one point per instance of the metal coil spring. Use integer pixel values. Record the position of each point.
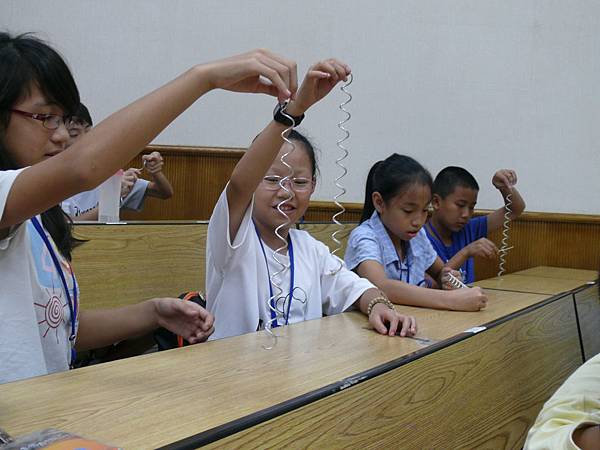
(278, 275)
(504, 248)
(454, 282)
(342, 190)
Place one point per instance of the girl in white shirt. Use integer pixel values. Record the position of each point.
(241, 240)
(40, 320)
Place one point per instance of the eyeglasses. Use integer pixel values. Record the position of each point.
(77, 123)
(49, 121)
(273, 183)
(77, 126)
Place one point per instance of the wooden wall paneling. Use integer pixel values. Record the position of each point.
(483, 392)
(588, 311)
(559, 240)
(198, 176)
(124, 264)
(320, 211)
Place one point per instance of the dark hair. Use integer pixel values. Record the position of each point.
(83, 113)
(391, 177)
(26, 60)
(452, 177)
(295, 135)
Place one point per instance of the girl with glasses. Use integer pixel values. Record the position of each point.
(245, 287)
(41, 323)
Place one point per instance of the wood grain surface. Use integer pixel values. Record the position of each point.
(588, 311)
(124, 264)
(483, 392)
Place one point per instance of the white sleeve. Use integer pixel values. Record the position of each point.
(339, 290)
(7, 178)
(67, 207)
(135, 199)
(220, 245)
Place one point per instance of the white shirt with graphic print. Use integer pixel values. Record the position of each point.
(237, 280)
(35, 320)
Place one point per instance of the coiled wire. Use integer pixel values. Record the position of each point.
(342, 190)
(284, 268)
(504, 248)
(454, 282)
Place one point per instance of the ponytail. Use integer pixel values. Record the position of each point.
(369, 207)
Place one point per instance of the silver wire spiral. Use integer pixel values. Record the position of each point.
(342, 190)
(454, 282)
(504, 248)
(277, 276)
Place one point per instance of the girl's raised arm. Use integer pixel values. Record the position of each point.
(249, 171)
(116, 140)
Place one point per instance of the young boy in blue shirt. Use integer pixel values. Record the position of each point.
(454, 234)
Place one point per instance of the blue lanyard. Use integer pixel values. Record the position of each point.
(72, 303)
(400, 265)
(272, 297)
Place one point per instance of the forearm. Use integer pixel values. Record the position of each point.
(99, 328)
(160, 187)
(518, 204)
(457, 261)
(363, 301)
(102, 151)
(402, 293)
(132, 128)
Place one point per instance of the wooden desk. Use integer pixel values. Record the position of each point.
(481, 392)
(197, 394)
(532, 284)
(560, 273)
(588, 311)
(126, 263)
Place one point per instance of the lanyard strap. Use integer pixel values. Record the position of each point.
(72, 302)
(407, 265)
(272, 299)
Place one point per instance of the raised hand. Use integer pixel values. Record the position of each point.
(258, 71)
(130, 176)
(153, 162)
(504, 179)
(320, 79)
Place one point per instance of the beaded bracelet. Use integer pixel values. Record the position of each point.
(380, 299)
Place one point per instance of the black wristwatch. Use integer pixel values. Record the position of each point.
(279, 116)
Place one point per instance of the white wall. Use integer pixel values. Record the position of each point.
(480, 83)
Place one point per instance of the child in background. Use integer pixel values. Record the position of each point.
(454, 234)
(242, 244)
(40, 321)
(390, 247)
(134, 190)
(570, 419)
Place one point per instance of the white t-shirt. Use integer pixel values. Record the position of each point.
(237, 282)
(575, 404)
(86, 201)
(35, 321)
